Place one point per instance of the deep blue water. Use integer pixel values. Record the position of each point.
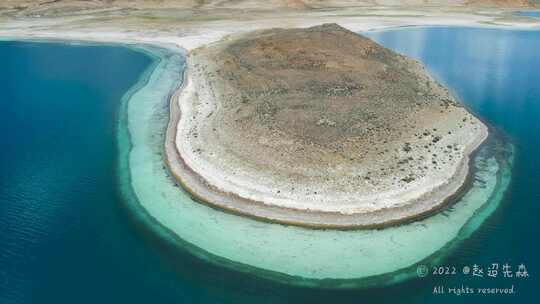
(65, 236)
(496, 74)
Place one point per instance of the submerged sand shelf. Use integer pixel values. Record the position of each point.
(291, 254)
(317, 127)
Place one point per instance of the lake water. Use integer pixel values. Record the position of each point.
(495, 73)
(65, 235)
(534, 14)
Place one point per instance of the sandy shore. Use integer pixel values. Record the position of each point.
(190, 33)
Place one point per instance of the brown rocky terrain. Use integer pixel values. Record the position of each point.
(183, 7)
(320, 120)
(334, 95)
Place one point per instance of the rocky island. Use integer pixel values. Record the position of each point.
(318, 127)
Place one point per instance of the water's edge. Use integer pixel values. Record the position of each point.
(163, 58)
(167, 235)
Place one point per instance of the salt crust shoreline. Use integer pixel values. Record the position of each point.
(201, 190)
(297, 256)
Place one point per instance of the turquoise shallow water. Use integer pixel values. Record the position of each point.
(291, 254)
(122, 259)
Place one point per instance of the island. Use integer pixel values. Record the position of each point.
(317, 127)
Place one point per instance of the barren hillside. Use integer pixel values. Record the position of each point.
(51, 7)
